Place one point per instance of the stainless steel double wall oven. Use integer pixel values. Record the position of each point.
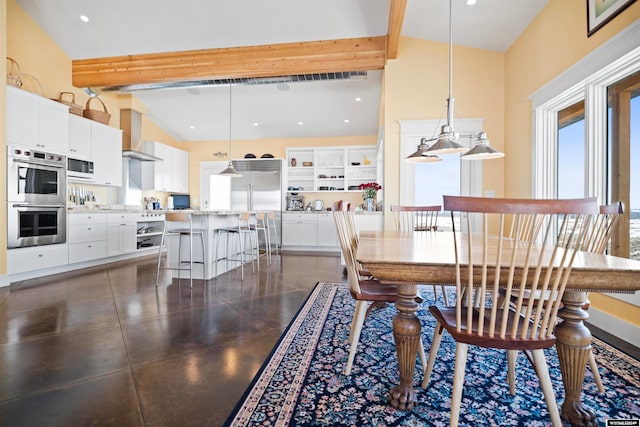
(36, 198)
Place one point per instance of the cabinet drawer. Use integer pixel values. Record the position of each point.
(79, 252)
(120, 218)
(79, 233)
(36, 258)
(90, 218)
(300, 218)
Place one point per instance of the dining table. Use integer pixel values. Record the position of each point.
(411, 258)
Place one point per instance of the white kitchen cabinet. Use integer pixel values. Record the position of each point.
(87, 237)
(106, 154)
(22, 260)
(332, 168)
(36, 122)
(79, 137)
(170, 174)
(121, 233)
(327, 234)
(299, 229)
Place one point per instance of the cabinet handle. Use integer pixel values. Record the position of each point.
(89, 228)
(40, 255)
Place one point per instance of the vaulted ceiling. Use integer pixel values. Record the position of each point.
(134, 42)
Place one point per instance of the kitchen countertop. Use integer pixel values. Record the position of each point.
(326, 211)
(84, 210)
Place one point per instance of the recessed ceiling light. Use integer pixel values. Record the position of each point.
(358, 99)
(256, 124)
(346, 120)
(471, 2)
(300, 123)
(192, 127)
(84, 18)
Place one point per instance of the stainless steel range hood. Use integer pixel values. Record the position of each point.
(131, 125)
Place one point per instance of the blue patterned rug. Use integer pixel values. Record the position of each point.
(301, 383)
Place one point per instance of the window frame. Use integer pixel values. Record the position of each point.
(586, 80)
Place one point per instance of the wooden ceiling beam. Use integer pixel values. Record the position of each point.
(356, 54)
(396, 18)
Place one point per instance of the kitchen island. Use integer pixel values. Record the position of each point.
(211, 222)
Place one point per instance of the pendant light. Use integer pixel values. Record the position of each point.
(421, 155)
(230, 171)
(482, 150)
(447, 140)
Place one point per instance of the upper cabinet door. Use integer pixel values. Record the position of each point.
(106, 154)
(23, 115)
(171, 174)
(79, 137)
(36, 122)
(54, 126)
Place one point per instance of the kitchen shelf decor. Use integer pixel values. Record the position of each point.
(331, 168)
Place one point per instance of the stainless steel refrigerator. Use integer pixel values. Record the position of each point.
(259, 188)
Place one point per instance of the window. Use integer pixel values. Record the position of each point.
(571, 156)
(624, 161)
(590, 80)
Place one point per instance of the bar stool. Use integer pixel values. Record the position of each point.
(263, 226)
(271, 225)
(168, 231)
(245, 228)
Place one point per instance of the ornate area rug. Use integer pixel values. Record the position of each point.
(302, 384)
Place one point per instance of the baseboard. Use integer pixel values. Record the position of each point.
(4, 281)
(18, 277)
(614, 326)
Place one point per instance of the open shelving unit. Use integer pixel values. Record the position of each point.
(332, 169)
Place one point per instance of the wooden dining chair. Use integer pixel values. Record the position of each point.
(597, 237)
(488, 259)
(418, 218)
(368, 292)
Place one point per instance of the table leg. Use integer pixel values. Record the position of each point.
(573, 341)
(406, 333)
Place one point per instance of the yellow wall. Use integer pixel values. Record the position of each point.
(3, 143)
(554, 41)
(416, 86)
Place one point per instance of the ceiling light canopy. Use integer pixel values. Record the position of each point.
(447, 141)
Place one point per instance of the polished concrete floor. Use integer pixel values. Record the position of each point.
(104, 346)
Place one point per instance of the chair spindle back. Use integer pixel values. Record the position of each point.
(541, 263)
(416, 218)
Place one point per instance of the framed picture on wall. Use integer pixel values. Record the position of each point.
(599, 12)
